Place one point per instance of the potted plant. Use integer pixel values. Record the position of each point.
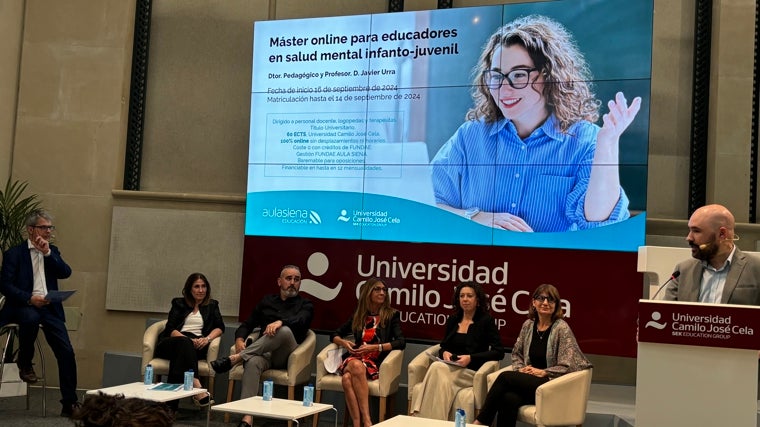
(14, 208)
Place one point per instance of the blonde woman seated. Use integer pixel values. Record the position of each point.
(376, 328)
(471, 339)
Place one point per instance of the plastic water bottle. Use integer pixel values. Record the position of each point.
(148, 374)
(308, 395)
(268, 387)
(460, 420)
(188, 380)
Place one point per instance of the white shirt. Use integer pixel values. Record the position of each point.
(38, 269)
(193, 324)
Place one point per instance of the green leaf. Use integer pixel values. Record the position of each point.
(14, 209)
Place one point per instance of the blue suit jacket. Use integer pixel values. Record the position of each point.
(17, 276)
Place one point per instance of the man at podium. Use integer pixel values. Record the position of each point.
(719, 272)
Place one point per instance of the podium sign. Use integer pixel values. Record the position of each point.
(697, 364)
(707, 325)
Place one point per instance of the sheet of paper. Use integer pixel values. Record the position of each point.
(334, 359)
(438, 359)
(59, 296)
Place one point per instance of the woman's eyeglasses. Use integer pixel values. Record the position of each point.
(517, 78)
(380, 289)
(542, 298)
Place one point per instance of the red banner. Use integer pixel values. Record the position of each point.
(600, 290)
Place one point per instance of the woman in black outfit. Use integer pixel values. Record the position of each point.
(194, 321)
(470, 340)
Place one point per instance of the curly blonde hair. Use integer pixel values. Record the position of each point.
(567, 88)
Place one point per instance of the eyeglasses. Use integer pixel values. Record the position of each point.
(517, 78)
(380, 289)
(45, 227)
(542, 298)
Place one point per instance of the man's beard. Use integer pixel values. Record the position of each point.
(289, 292)
(707, 253)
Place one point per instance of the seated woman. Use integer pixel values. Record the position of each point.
(471, 339)
(376, 328)
(194, 321)
(546, 348)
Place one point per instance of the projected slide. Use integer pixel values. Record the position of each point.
(514, 125)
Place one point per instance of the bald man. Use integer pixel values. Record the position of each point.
(719, 272)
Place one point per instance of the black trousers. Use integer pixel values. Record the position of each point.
(29, 320)
(510, 391)
(182, 356)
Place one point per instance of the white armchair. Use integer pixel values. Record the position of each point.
(559, 402)
(161, 366)
(470, 399)
(385, 387)
(297, 372)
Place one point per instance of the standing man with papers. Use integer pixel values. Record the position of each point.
(29, 271)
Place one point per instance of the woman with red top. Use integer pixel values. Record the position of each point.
(376, 328)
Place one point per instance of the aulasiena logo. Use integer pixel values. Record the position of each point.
(314, 218)
(654, 323)
(292, 216)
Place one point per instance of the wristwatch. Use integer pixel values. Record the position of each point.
(471, 212)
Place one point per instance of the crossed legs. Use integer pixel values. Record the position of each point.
(264, 353)
(356, 389)
(510, 391)
(182, 356)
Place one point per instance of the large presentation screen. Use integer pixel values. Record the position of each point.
(511, 125)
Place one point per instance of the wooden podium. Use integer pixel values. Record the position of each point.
(697, 364)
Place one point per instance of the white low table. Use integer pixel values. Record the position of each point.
(405, 421)
(141, 391)
(280, 409)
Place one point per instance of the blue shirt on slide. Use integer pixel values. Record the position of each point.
(542, 179)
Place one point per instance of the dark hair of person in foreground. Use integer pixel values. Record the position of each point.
(104, 410)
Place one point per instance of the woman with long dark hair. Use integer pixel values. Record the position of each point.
(194, 321)
(470, 339)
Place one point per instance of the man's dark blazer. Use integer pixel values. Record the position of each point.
(17, 276)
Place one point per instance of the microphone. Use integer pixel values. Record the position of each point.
(704, 246)
(672, 277)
